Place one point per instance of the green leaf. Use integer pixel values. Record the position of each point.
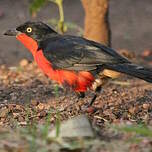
(57, 124)
(36, 5)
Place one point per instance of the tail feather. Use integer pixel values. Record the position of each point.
(133, 70)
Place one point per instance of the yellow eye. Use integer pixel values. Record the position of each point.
(29, 29)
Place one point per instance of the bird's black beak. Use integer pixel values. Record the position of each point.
(13, 32)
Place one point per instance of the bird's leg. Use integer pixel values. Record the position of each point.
(95, 95)
(97, 92)
(96, 87)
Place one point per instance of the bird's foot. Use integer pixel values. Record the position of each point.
(88, 107)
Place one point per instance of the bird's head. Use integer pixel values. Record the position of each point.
(35, 30)
(31, 34)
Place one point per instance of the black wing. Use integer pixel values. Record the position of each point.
(76, 53)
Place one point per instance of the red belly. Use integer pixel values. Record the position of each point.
(79, 81)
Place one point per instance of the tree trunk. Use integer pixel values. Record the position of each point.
(96, 21)
(97, 28)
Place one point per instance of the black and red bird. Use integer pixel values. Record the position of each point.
(73, 60)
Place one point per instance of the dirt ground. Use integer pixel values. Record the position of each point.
(24, 89)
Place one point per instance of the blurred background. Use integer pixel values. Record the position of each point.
(130, 23)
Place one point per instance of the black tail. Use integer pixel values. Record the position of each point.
(133, 70)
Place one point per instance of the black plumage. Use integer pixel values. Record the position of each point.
(79, 54)
(76, 53)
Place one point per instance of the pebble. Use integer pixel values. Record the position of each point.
(24, 62)
(41, 106)
(42, 114)
(34, 103)
(145, 105)
(3, 112)
(132, 110)
(21, 119)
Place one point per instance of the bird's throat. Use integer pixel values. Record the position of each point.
(28, 42)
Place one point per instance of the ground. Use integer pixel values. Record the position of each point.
(27, 97)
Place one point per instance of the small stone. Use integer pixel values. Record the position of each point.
(1, 123)
(11, 107)
(91, 109)
(146, 53)
(145, 105)
(21, 119)
(23, 62)
(3, 67)
(3, 120)
(41, 106)
(132, 110)
(15, 115)
(34, 103)
(4, 77)
(24, 123)
(19, 108)
(47, 106)
(42, 114)
(4, 112)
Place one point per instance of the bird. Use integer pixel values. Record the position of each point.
(74, 61)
